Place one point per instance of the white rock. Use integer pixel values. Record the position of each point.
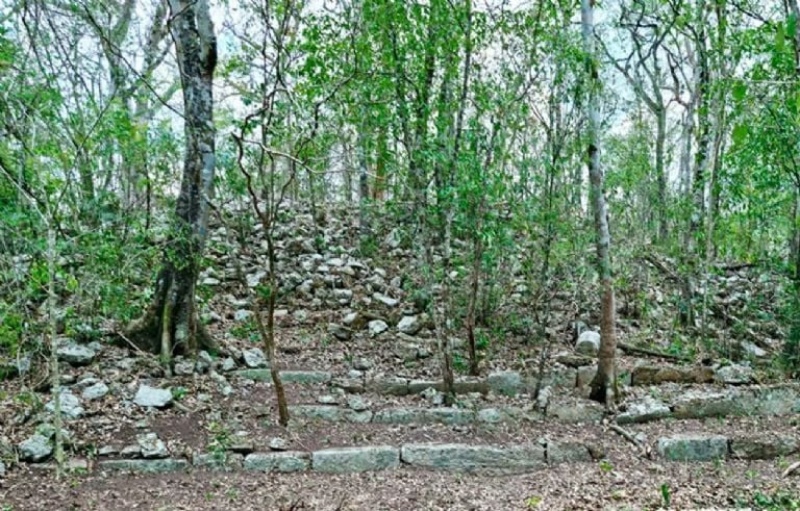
(410, 325)
(148, 396)
(386, 300)
(151, 446)
(588, 343)
(254, 358)
(95, 391)
(377, 327)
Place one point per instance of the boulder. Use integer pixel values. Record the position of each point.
(148, 396)
(588, 343)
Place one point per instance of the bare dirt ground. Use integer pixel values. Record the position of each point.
(616, 484)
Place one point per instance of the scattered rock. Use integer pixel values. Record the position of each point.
(229, 364)
(362, 364)
(48, 431)
(70, 405)
(753, 350)
(2, 469)
(148, 396)
(393, 239)
(354, 320)
(410, 325)
(204, 362)
(567, 452)
(377, 327)
(183, 367)
(433, 396)
(343, 296)
(35, 448)
(326, 399)
(648, 409)
(340, 332)
(73, 353)
(242, 314)
(151, 446)
(131, 451)
(278, 444)
(357, 403)
(588, 343)
(386, 300)
(254, 358)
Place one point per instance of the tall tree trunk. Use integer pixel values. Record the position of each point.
(661, 174)
(604, 385)
(171, 323)
(695, 249)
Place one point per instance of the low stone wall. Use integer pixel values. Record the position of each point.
(511, 459)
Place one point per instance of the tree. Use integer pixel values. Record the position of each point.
(171, 322)
(604, 385)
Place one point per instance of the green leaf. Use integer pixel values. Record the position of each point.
(780, 39)
(739, 91)
(739, 134)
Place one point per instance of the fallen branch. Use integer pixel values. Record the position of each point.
(625, 434)
(794, 467)
(644, 448)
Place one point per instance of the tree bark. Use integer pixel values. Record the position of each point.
(171, 323)
(604, 385)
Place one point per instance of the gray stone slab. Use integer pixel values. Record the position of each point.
(472, 458)
(567, 452)
(287, 461)
(225, 461)
(766, 447)
(355, 459)
(145, 466)
(690, 447)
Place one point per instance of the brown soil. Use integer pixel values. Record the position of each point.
(629, 483)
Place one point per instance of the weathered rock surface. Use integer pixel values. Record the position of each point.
(278, 462)
(691, 447)
(355, 459)
(588, 343)
(471, 458)
(148, 396)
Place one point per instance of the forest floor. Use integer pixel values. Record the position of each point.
(365, 370)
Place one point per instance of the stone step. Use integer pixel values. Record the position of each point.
(456, 457)
(767, 401)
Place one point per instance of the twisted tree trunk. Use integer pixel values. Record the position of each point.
(171, 323)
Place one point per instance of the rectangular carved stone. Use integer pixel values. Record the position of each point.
(355, 459)
(471, 458)
(289, 461)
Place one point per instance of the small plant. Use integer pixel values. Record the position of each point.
(779, 501)
(179, 393)
(533, 502)
(482, 342)
(666, 495)
(460, 364)
(232, 493)
(220, 441)
(606, 466)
